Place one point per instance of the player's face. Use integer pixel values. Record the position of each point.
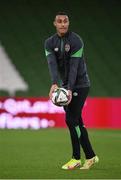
(61, 23)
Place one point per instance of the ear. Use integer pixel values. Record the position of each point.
(54, 23)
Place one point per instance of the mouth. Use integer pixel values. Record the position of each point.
(62, 28)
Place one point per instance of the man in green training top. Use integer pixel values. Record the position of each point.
(64, 52)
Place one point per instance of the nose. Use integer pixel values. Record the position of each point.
(63, 23)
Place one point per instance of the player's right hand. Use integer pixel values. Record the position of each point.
(52, 89)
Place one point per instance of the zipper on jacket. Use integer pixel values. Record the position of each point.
(62, 44)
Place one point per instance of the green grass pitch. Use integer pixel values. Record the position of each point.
(30, 154)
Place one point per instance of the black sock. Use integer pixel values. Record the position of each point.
(75, 143)
(85, 143)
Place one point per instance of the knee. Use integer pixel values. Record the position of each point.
(69, 122)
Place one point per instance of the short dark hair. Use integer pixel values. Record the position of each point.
(61, 13)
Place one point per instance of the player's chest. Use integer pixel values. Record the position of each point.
(62, 48)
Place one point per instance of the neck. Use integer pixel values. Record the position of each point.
(61, 35)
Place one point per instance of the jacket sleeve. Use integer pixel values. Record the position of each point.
(76, 56)
(51, 59)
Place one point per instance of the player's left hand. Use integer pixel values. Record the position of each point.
(52, 89)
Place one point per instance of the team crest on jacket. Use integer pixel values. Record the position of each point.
(67, 47)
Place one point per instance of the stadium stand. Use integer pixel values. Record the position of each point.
(25, 24)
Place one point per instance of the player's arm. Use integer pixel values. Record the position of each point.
(76, 56)
(52, 65)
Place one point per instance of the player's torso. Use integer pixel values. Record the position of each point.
(62, 51)
(62, 48)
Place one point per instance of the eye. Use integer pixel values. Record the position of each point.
(59, 21)
(65, 21)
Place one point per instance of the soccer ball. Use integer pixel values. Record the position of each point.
(60, 97)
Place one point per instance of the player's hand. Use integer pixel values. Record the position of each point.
(52, 89)
(70, 96)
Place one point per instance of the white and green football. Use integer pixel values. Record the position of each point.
(60, 97)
